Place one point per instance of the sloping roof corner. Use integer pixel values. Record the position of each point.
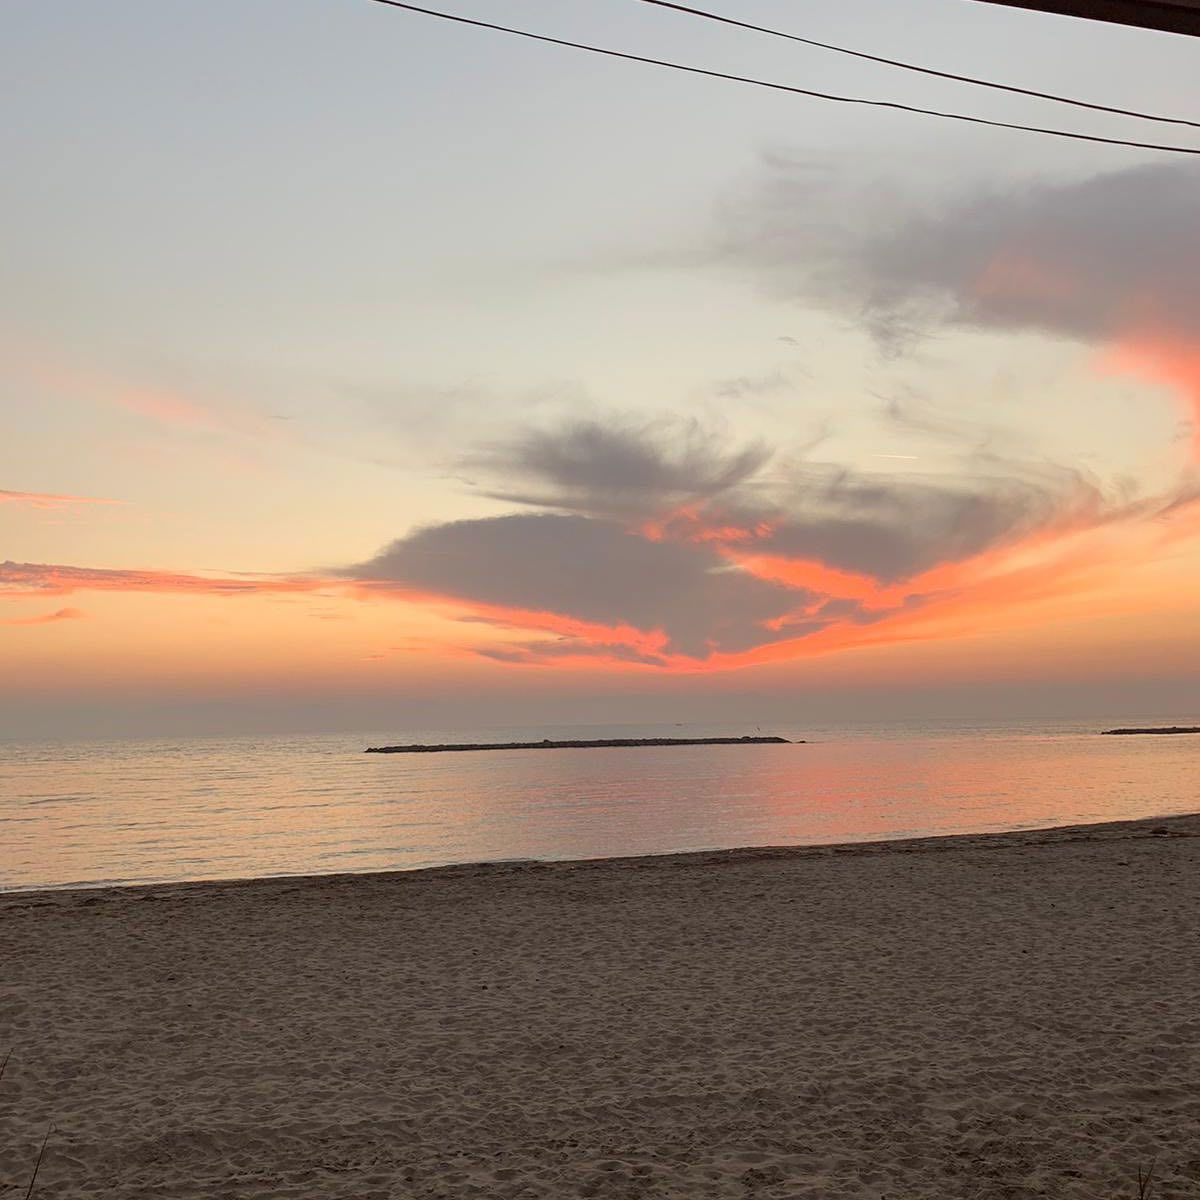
(1171, 16)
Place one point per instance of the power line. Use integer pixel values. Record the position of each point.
(782, 87)
(907, 66)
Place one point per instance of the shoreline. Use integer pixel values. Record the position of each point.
(1048, 835)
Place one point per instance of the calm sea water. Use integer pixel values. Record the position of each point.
(122, 812)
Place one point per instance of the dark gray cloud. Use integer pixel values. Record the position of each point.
(615, 468)
(1086, 259)
(591, 570)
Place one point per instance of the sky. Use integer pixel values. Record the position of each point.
(359, 369)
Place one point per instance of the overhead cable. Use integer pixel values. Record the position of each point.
(907, 66)
(784, 87)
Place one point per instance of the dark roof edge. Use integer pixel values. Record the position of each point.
(1170, 16)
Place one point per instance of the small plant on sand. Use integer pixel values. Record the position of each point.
(37, 1166)
(50, 1129)
(1145, 1180)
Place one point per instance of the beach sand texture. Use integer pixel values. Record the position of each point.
(1006, 1016)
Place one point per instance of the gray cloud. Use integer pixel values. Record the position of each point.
(592, 570)
(885, 525)
(1086, 259)
(632, 528)
(614, 468)
(892, 527)
(550, 649)
(740, 387)
(634, 524)
(908, 412)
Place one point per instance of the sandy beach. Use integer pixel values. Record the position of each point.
(1012, 1015)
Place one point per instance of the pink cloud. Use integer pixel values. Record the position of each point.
(54, 579)
(165, 406)
(1163, 358)
(172, 409)
(50, 500)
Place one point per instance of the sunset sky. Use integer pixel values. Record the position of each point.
(363, 369)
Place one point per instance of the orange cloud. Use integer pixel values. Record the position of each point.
(811, 575)
(26, 580)
(1003, 589)
(646, 645)
(689, 523)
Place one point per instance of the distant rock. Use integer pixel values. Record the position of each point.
(1162, 729)
(595, 744)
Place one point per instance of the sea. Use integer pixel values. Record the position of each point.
(121, 812)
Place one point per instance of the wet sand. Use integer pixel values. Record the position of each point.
(1012, 1015)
